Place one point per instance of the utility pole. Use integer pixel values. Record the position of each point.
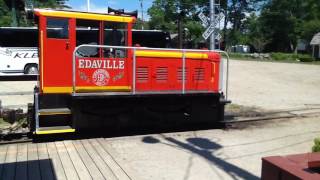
(212, 16)
(88, 5)
(141, 6)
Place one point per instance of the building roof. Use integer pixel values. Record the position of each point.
(84, 15)
(316, 39)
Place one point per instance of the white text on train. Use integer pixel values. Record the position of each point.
(105, 64)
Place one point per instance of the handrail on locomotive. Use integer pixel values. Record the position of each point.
(184, 51)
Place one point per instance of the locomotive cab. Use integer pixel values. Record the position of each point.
(103, 82)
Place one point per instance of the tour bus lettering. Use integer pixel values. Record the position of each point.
(25, 55)
(34, 55)
(18, 55)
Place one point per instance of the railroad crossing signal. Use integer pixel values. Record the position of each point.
(212, 28)
(204, 19)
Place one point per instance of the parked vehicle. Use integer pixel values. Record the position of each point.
(19, 45)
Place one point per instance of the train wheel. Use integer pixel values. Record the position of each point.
(30, 117)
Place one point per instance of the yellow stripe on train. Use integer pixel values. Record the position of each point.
(68, 89)
(168, 54)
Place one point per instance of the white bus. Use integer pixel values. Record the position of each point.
(19, 52)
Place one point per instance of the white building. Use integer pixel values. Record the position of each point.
(315, 44)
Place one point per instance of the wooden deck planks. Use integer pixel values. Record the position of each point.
(108, 159)
(89, 163)
(45, 163)
(67, 164)
(33, 162)
(22, 162)
(66, 160)
(3, 154)
(10, 163)
(57, 167)
(77, 162)
(129, 170)
(103, 167)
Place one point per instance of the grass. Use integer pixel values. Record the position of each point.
(246, 57)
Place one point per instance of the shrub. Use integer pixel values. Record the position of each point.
(239, 56)
(305, 58)
(284, 56)
(316, 146)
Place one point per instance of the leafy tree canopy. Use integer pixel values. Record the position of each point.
(10, 10)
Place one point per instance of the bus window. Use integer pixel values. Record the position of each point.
(115, 34)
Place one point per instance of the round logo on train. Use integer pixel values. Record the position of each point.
(100, 77)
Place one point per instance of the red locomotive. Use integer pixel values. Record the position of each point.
(109, 83)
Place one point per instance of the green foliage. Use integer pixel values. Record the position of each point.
(316, 146)
(164, 15)
(285, 22)
(139, 24)
(310, 28)
(283, 56)
(240, 56)
(305, 58)
(6, 16)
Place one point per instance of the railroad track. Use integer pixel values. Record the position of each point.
(277, 115)
(18, 77)
(24, 137)
(15, 138)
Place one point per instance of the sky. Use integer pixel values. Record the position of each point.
(102, 5)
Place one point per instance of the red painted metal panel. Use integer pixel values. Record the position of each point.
(165, 74)
(57, 57)
(92, 72)
(152, 73)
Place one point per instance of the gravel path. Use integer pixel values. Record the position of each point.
(267, 85)
(271, 86)
(212, 154)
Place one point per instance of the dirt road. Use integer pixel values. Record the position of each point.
(262, 84)
(274, 86)
(212, 154)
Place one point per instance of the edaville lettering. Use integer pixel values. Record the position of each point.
(101, 64)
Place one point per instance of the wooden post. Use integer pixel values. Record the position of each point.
(312, 50)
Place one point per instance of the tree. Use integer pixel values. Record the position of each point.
(253, 30)
(12, 11)
(139, 24)
(165, 15)
(284, 22)
(5, 16)
(237, 12)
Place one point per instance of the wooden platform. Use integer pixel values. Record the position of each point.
(77, 159)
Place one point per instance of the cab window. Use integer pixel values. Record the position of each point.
(57, 28)
(115, 34)
(87, 33)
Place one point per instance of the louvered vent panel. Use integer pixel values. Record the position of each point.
(179, 74)
(142, 74)
(162, 74)
(198, 74)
